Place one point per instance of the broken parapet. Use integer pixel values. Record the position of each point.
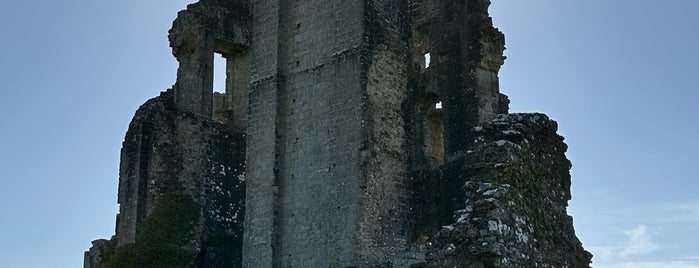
(517, 191)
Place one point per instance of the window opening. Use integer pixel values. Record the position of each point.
(434, 132)
(219, 73)
(428, 58)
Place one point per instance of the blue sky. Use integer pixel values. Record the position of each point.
(620, 77)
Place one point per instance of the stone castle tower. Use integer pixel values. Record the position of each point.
(352, 133)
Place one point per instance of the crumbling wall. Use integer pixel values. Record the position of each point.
(100, 254)
(466, 53)
(457, 91)
(184, 143)
(516, 190)
(166, 151)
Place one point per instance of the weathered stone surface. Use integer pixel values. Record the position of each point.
(100, 254)
(336, 145)
(205, 28)
(168, 151)
(517, 188)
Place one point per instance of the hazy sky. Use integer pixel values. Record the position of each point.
(620, 77)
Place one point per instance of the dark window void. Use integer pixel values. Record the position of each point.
(433, 128)
(219, 73)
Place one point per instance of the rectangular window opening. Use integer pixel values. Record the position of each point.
(219, 73)
(434, 131)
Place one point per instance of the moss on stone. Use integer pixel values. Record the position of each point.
(162, 236)
(523, 176)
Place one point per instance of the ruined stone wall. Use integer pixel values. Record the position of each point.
(335, 145)
(517, 189)
(188, 145)
(100, 254)
(166, 151)
(161, 153)
(465, 54)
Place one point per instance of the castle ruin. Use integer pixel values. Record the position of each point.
(352, 133)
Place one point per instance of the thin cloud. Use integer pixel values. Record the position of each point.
(639, 242)
(685, 213)
(652, 241)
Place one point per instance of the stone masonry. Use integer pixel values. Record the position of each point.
(352, 133)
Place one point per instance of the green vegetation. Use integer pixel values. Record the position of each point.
(161, 238)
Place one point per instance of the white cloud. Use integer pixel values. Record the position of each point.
(663, 241)
(638, 242)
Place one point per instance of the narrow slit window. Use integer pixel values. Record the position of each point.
(428, 58)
